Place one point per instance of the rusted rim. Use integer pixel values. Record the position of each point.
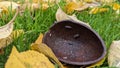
(87, 27)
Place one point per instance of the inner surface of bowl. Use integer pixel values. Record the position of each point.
(74, 43)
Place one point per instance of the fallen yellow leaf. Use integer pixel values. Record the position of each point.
(69, 66)
(103, 9)
(13, 61)
(45, 6)
(30, 6)
(68, 1)
(44, 1)
(98, 10)
(82, 7)
(36, 4)
(89, 1)
(44, 49)
(71, 6)
(108, 2)
(39, 39)
(97, 64)
(116, 6)
(4, 9)
(27, 59)
(35, 1)
(79, 6)
(94, 10)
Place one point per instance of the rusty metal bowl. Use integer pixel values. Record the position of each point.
(75, 43)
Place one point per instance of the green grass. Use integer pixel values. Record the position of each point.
(107, 25)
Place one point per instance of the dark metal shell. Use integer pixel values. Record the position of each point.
(75, 43)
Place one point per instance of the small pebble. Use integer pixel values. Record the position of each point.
(68, 27)
(76, 35)
(64, 57)
(50, 34)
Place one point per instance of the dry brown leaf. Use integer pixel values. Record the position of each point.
(6, 41)
(6, 30)
(28, 59)
(44, 49)
(114, 54)
(61, 15)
